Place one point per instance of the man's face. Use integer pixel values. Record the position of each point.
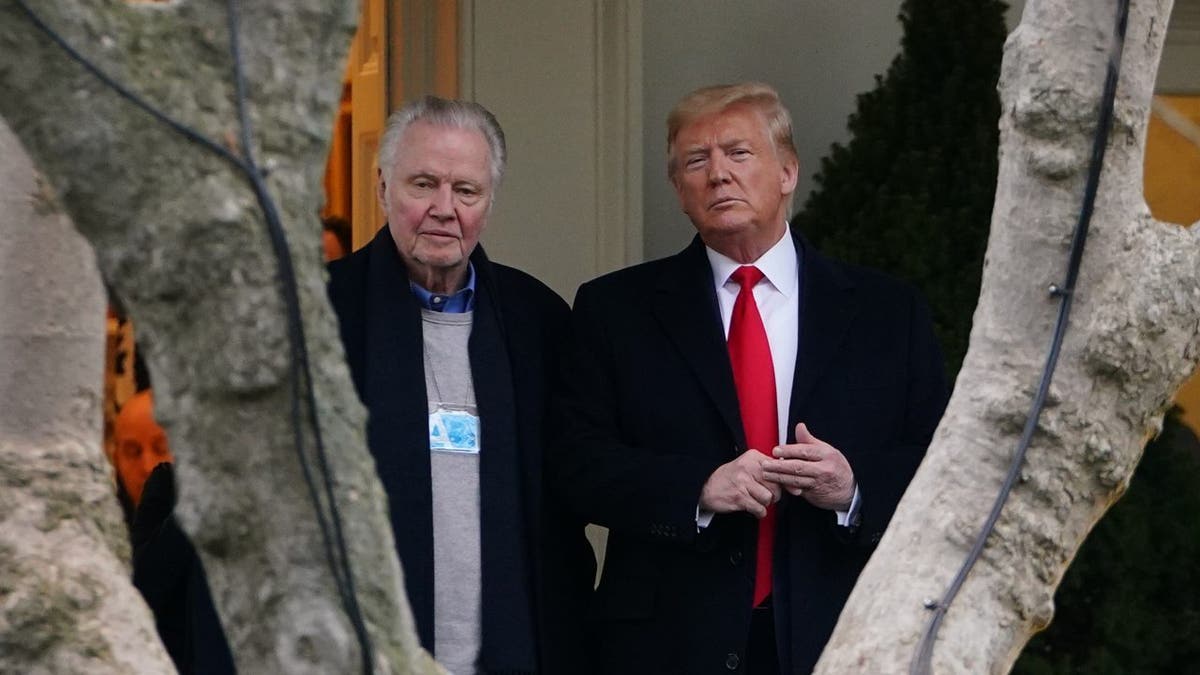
(732, 182)
(437, 196)
(141, 444)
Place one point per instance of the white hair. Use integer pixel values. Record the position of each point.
(447, 113)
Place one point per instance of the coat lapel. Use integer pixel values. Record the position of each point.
(686, 306)
(398, 425)
(394, 371)
(505, 601)
(826, 309)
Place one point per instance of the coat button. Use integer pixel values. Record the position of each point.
(735, 558)
(732, 661)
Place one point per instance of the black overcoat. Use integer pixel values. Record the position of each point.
(537, 565)
(651, 411)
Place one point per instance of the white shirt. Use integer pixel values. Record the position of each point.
(779, 307)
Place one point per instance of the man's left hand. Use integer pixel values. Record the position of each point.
(812, 469)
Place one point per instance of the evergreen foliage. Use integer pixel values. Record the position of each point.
(1129, 602)
(912, 191)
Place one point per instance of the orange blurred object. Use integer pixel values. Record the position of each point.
(333, 246)
(141, 444)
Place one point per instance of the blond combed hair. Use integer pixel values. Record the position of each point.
(718, 98)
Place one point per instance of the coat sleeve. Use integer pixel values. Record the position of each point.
(884, 478)
(647, 492)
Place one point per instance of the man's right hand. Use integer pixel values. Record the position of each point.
(739, 486)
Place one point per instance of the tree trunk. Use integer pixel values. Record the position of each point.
(1132, 339)
(66, 604)
(180, 238)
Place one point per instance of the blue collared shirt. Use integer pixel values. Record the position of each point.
(457, 303)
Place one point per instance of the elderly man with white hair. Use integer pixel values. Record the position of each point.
(454, 357)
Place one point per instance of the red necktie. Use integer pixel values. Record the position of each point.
(754, 377)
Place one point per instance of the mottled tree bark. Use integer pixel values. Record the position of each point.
(1134, 336)
(66, 605)
(180, 238)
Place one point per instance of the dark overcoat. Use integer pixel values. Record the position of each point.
(651, 411)
(537, 567)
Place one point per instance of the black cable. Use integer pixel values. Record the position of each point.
(338, 555)
(923, 660)
(301, 373)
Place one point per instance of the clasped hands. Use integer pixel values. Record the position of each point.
(809, 468)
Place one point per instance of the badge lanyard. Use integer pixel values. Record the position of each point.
(452, 427)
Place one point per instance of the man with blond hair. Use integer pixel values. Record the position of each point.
(743, 416)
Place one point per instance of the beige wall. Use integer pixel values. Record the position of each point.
(563, 78)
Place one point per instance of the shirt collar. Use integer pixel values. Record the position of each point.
(458, 302)
(779, 265)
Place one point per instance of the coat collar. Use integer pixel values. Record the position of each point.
(685, 304)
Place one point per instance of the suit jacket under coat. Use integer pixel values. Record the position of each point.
(651, 411)
(516, 336)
